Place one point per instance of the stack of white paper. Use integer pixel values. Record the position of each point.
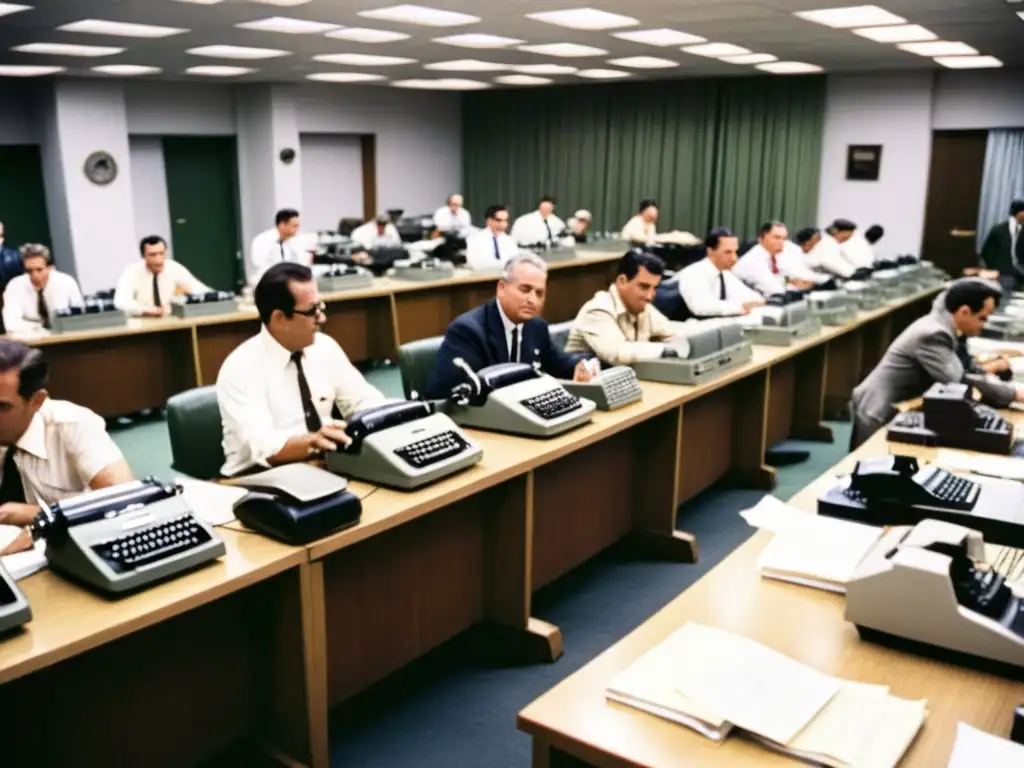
(974, 748)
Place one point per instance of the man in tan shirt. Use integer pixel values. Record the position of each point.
(620, 325)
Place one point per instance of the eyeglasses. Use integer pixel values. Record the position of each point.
(313, 311)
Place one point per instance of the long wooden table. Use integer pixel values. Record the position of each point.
(573, 724)
(309, 628)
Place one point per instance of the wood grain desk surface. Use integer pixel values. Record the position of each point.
(804, 623)
(68, 619)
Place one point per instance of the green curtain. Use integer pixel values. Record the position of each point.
(727, 151)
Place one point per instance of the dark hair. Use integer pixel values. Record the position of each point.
(874, 233)
(35, 251)
(32, 367)
(272, 291)
(150, 240)
(284, 216)
(494, 210)
(843, 225)
(1016, 207)
(805, 235)
(971, 293)
(767, 227)
(546, 199)
(635, 258)
(715, 236)
(647, 202)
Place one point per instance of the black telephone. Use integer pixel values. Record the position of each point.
(788, 296)
(482, 383)
(950, 417)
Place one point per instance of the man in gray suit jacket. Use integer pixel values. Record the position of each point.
(927, 352)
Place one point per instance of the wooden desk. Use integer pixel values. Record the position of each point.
(573, 724)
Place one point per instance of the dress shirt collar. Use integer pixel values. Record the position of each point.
(712, 268)
(33, 441)
(1014, 225)
(277, 355)
(620, 308)
(507, 324)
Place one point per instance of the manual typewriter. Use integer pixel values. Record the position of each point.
(342, 277)
(706, 354)
(206, 303)
(785, 318)
(423, 270)
(610, 389)
(951, 418)
(93, 313)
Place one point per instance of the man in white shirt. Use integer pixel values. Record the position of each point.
(52, 449)
(490, 247)
(379, 233)
(826, 254)
(642, 229)
(709, 287)
(858, 249)
(31, 299)
(278, 244)
(147, 287)
(541, 227)
(277, 390)
(767, 268)
(579, 223)
(452, 217)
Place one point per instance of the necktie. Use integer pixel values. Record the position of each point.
(513, 355)
(313, 422)
(11, 488)
(156, 292)
(775, 264)
(497, 253)
(42, 309)
(281, 243)
(548, 228)
(1015, 242)
(721, 286)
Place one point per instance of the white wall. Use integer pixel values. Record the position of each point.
(894, 110)
(174, 109)
(332, 179)
(149, 188)
(979, 100)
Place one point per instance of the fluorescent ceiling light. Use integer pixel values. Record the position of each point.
(283, 3)
(287, 26)
(855, 16)
(201, 2)
(545, 69)
(444, 84)
(478, 41)
(523, 80)
(64, 49)
(126, 70)
(563, 50)
(344, 77)
(467, 65)
(8, 8)
(644, 62)
(716, 50)
(750, 58)
(788, 68)
(903, 33)
(419, 14)
(939, 48)
(236, 52)
(120, 29)
(27, 70)
(364, 35)
(602, 74)
(968, 62)
(590, 19)
(661, 37)
(217, 70)
(363, 59)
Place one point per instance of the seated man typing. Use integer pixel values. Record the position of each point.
(620, 325)
(277, 390)
(507, 329)
(766, 268)
(53, 449)
(709, 287)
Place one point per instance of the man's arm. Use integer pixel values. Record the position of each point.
(14, 310)
(936, 353)
(702, 304)
(124, 295)
(74, 292)
(184, 279)
(604, 337)
(556, 362)
(112, 474)
(480, 252)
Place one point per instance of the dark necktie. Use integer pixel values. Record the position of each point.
(156, 292)
(721, 286)
(42, 309)
(513, 356)
(11, 488)
(497, 252)
(547, 226)
(281, 243)
(775, 264)
(313, 422)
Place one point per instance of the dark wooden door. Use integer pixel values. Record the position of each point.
(954, 191)
(23, 198)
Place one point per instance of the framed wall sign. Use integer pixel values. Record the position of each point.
(863, 162)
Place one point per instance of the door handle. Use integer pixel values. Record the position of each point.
(181, 221)
(957, 232)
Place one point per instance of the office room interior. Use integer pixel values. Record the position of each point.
(489, 601)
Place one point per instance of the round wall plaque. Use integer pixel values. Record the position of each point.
(100, 168)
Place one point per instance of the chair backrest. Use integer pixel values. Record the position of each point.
(193, 420)
(669, 301)
(560, 333)
(416, 361)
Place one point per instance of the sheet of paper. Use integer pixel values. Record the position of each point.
(21, 564)
(824, 553)
(751, 686)
(981, 464)
(845, 724)
(974, 747)
(211, 502)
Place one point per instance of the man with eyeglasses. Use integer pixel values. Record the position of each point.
(490, 247)
(277, 390)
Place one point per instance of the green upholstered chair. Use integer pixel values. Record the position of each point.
(416, 361)
(193, 420)
(560, 333)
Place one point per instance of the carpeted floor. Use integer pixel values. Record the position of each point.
(450, 711)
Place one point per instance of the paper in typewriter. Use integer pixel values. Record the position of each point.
(1006, 467)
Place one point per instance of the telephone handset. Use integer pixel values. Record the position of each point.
(14, 608)
(481, 383)
(366, 422)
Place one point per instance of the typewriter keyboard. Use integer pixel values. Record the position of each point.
(433, 449)
(149, 545)
(910, 420)
(620, 386)
(953, 489)
(990, 420)
(552, 404)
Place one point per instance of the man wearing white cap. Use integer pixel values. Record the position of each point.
(579, 223)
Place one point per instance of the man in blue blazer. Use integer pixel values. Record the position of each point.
(507, 329)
